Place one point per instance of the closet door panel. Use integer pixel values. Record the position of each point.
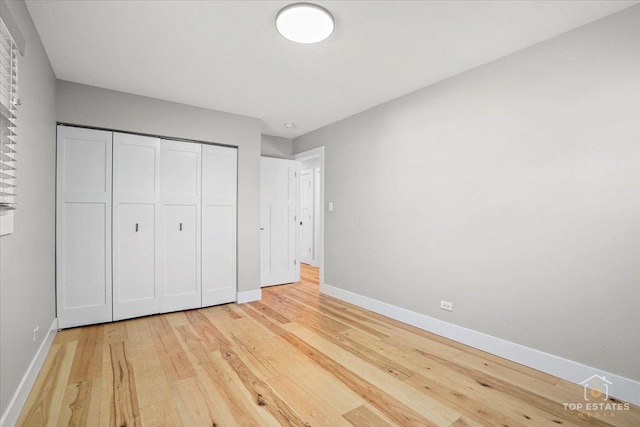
(83, 255)
(180, 200)
(136, 222)
(136, 254)
(83, 226)
(181, 250)
(137, 166)
(219, 272)
(219, 189)
(85, 161)
(181, 169)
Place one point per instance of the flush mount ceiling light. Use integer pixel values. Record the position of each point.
(304, 23)
(290, 125)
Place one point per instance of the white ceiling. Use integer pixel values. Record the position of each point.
(226, 55)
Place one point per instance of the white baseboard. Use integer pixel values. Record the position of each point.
(622, 388)
(249, 296)
(11, 414)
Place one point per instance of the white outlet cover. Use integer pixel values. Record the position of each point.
(446, 305)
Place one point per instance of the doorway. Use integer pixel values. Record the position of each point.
(310, 209)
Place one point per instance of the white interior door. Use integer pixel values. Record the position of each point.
(317, 204)
(180, 180)
(277, 221)
(306, 215)
(136, 219)
(219, 204)
(83, 226)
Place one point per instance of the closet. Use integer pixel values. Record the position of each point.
(144, 225)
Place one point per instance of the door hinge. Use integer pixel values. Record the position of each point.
(295, 262)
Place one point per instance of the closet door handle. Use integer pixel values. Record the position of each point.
(136, 227)
(180, 226)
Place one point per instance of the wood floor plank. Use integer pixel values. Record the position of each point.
(43, 406)
(262, 394)
(125, 400)
(366, 354)
(364, 416)
(279, 356)
(518, 395)
(297, 357)
(471, 404)
(438, 413)
(162, 414)
(67, 335)
(223, 394)
(87, 362)
(175, 361)
(151, 381)
(107, 415)
(259, 306)
(253, 358)
(335, 314)
(466, 422)
(310, 407)
(427, 366)
(81, 404)
(266, 321)
(205, 330)
(392, 408)
(219, 377)
(447, 342)
(192, 406)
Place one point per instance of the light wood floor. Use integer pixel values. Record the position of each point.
(296, 358)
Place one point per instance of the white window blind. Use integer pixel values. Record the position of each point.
(9, 102)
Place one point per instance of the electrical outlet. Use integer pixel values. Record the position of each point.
(36, 331)
(446, 305)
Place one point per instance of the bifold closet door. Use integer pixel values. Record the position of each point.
(180, 212)
(136, 218)
(83, 226)
(219, 184)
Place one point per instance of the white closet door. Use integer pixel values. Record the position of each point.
(277, 221)
(180, 196)
(83, 226)
(136, 218)
(219, 183)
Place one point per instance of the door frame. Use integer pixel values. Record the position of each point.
(300, 157)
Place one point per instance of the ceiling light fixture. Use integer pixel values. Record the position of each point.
(290, 125)
(304, 23)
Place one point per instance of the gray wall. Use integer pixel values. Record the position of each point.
(27, 257)
(91, 106)
(275, 146)
(511, 190)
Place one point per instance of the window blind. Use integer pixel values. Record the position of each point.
(9, 102)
